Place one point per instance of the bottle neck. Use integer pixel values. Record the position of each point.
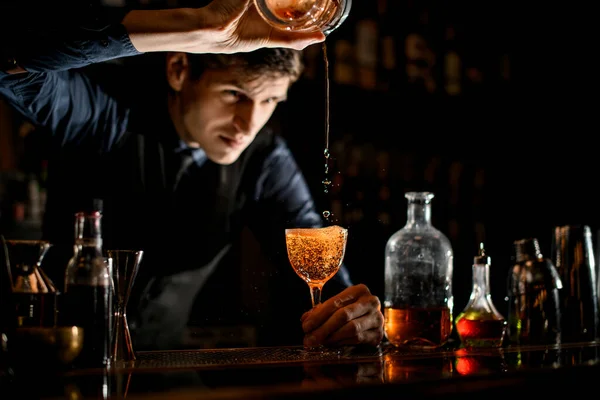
(481, 280)
(88, 246)
(419, 214)
(527, 249)
(88, 233)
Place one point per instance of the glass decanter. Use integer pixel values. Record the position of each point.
(418, 296)
(304, 15)
(480, 324)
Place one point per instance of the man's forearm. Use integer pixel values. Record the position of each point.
(223, 26)
(101, 39)
(183, 29)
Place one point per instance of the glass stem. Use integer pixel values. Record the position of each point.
(315, 294)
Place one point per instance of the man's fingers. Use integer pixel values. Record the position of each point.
(348, 322)
(298, 40)
(355, 328)
(324, 311)
(371, 337)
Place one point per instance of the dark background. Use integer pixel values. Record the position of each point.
(510, 155)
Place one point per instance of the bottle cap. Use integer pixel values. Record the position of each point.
(481, 258)
(91, 206)
(526, 249)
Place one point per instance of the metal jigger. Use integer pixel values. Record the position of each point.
(125, 266)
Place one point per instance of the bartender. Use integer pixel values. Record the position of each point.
(183, 162)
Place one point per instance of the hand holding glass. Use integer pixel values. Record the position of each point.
(316, 255)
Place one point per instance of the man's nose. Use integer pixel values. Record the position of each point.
(245, 116)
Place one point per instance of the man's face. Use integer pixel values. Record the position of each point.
(222, 114)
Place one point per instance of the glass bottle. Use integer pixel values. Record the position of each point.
(88, 292)
(533, 297)
(418, 296)
(304, 15)
(480, 324)
(572, 253)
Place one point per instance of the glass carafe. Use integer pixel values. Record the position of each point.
(480, 324)
(304, 15)
(418, 298)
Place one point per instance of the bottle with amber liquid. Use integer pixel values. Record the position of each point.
(480, 324)
(88, 295)
(418, 296)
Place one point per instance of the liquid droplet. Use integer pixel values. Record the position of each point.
(326, 153)
(326, 182)
(326, 214)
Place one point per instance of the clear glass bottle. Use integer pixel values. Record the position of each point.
(534, 314)
(418, 298)
(304, 15)
(480, 324)
(88, 295)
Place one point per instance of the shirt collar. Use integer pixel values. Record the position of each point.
(199, 155)
(172, 141)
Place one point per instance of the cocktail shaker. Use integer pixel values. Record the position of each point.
(534, 312)
(573, 255)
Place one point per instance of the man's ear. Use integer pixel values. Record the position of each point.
(177, 69)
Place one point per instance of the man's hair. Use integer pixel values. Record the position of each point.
(275, 62)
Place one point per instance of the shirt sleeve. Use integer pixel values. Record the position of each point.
(53, 36)
(75, 48)
(55, 92)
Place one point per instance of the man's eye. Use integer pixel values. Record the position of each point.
(231, 93)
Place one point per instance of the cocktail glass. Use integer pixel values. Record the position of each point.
(316, 255)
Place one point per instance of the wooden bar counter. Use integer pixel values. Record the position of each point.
(284, 372)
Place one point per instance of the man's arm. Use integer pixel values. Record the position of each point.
(30, 40)
(223, 26)
(56, 94)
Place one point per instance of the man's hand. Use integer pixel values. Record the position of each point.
(350, 318)
(223, 26)
(245, 30)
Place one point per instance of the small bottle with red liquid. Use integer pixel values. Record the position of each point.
(480, 324)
